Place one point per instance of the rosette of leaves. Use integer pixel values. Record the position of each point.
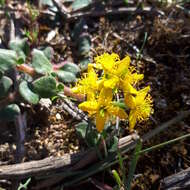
(46, 83)
(82, 38)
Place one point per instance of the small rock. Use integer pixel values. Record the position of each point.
(58, 116)
(45, 102)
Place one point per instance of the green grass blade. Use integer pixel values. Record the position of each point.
(163, 144)
(117, 178)
(133, 164)
(120, 159)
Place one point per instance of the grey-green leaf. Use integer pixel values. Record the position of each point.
(81, 129)
(5, 84)
(114, 144)
(27, 93)
(78, 4)
(40, 62)
(20, 46)
(65, 76)
(8, 59)
(47, 2)
(9, 112)
(84, 45)
(71, 67)
(48, 52)
(45, 86)
(84, 63)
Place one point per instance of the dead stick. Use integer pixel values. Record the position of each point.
(39, 168)
(109, 12)
(180, 181)
(86, 160)
(51, 165)
(20, 123)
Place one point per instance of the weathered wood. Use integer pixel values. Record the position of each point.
(178, 181)
(52, 165)
(40, 167)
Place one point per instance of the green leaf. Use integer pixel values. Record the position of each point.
(40, 62)
(9, 112)
(47, 2)
(71, 67)
(78, 29)
(48, 52)
(65, 76)
(114, 144)
(78, 4)
(5, 84)
(122, 167)
(1, 74)
(25, 185)
(117, 178)
(60, 87)
(84, 45)
(92, 137)
(8, 59)
(45, 86)
(21, 47)
(84, 64)
(81, 129)
(27, 93)
(133, 164)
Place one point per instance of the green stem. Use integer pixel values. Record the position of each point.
(163, 144)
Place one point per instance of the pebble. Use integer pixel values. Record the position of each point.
(58, 116)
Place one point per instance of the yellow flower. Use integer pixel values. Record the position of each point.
(88, 85)
(107, 62)
(102, 108)
(140, 106)
(130, 79)
(132, 76)
(115, 69)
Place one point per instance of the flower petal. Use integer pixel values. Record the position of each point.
(111, 83)
(100, 121)
(89, 106)
(105, 96)
(132, 120)
(123, 66)
(142, 94)
(130, 101)
(128, 88)
(115, 110)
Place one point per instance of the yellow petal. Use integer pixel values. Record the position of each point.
(132, 120)
(111, 83)
(90, 96)
(100, 121)
(114, 110)
(130, 101)
(105, 96)
(136, 78)
(128, 88)
(107, 61)
(75, 90)
(123, 66)
(142, 94)
(89, 106)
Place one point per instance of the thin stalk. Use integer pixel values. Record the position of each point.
(133, 164)
(142, 47)
(163, 144)
(121, 164)
(104, 146)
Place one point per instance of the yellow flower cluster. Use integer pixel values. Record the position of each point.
(106, 77)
